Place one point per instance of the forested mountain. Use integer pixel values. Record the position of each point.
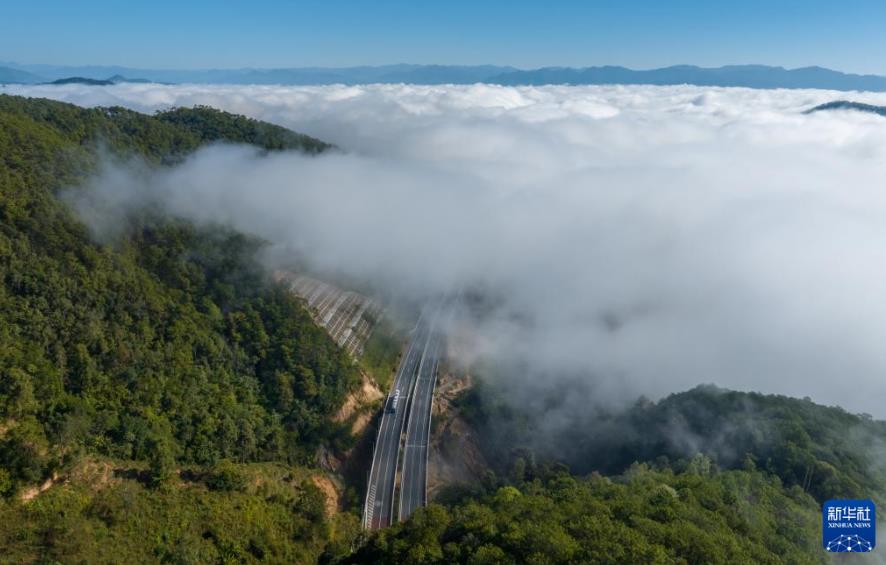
(643, 516)
(214, 125)
(106, 347)
(825, 451)
(167, 348)
(162, 401)
(704, 476)
(848, 105)
(82, 80)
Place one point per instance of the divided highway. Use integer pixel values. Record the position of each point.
(378, 510)
(408, 405)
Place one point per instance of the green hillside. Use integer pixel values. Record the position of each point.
(163, 354)
(82, 80)
(826, 451)
(102, 515)
(168, 345)
(214, 125)
(643, 516)
(703, 476)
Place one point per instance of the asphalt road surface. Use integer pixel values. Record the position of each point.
(414, 474)
(379, 507)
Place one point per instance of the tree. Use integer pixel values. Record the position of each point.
(161, 460)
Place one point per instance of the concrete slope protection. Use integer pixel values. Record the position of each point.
(346, 315)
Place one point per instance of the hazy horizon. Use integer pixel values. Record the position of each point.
(406, 63)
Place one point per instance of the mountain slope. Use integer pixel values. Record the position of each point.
(104, 348)
(243, 513)
(644, 516)
(703, 476)
(847, 105)
(825, 451)
(215, 125)
(82, 80)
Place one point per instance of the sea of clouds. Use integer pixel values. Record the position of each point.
(645, 239)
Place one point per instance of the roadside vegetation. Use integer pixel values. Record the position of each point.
(646, 515)
(381, 354)
(108, 512)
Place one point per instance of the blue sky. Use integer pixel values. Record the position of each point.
(276, 33)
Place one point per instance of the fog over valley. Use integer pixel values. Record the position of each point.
(639, 239)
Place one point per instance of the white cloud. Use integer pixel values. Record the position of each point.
(731, 238)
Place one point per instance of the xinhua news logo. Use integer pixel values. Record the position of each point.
(849, 526)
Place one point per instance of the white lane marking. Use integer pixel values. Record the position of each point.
(379, 452)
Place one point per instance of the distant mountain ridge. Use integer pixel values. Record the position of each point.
(417, 74)
(749, 76)
(82, 80)
(9, 75)
(116, 79)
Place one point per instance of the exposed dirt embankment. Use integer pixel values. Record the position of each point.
(358, 405)
(29, 494)
(360, 409)
(330, 490)
(455, 455)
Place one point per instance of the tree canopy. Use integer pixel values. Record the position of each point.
(642, 516)
(167, 345)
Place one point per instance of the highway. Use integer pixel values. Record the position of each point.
(414, 474)
(378, 509)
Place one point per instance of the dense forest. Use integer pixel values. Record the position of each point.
(171, 399)
(825, 451)
(704, 476)
(848, 105)
(643, 516)
(167, 346)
